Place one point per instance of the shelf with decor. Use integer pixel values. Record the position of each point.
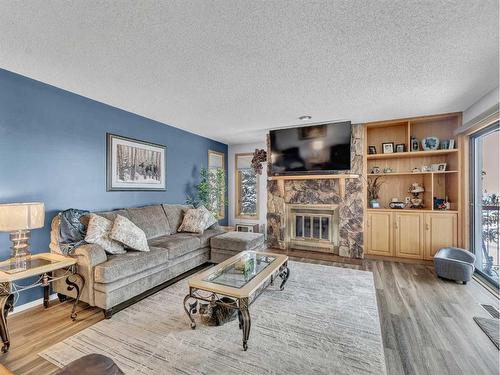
(409, 173)
(416, 160)
(411, 154)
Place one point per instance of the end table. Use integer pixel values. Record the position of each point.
(41, 265)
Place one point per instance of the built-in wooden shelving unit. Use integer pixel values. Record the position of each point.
(414, 233)
(341, 177)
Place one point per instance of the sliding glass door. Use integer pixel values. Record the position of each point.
(485, 202)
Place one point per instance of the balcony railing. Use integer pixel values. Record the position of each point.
(490, 237)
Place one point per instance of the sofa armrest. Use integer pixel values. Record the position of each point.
(87, 256)
(90, 255)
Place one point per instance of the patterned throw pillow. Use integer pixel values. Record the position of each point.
(129, 234)
(210, 219)
(98, 232)
(193, 222)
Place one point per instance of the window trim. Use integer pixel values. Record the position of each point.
(237, 214)
(222, 212)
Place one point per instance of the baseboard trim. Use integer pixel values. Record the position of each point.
(399, 260)
(29, 305)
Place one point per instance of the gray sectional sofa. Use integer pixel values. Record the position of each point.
(112, 281)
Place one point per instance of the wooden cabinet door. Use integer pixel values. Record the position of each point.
(379, 233)
(409, 235)
(440, 231)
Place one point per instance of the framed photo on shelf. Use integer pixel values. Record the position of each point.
(441, 167)
(400, 147)
(132, 164)
(444, 144)
(388, 148)
(372, 150)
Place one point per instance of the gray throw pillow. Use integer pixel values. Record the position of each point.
(98, 232)
(129, 234)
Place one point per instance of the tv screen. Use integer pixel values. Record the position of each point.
(317, 148)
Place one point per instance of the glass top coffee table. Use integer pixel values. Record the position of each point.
(242, 278)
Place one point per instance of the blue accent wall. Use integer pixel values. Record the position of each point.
(53, 150)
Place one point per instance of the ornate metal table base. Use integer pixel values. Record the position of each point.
(8, 290)
(6, 305)
(73, 284)
(242, 304)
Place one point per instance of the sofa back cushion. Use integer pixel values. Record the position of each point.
(151, 219)
(111, 215)
(175, 214)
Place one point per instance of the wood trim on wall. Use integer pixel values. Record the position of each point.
(237, 191)
(222, 212)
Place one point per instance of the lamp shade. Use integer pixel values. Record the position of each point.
(21, 216)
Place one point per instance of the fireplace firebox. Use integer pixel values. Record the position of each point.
(312, 227)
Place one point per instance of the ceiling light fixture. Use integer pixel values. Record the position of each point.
(305, 118)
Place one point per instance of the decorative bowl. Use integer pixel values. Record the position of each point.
(430, 143)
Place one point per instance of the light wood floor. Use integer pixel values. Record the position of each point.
(426, 323)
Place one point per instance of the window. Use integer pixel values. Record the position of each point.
(246, 188)
(217, 181)
(485, 199)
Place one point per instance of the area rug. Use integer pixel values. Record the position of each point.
(324, 322)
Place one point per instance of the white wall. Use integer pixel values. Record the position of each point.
(262, 198)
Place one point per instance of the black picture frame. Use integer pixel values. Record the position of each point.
(386, 146)
(372, 150)
(400, 147)
(152, 170)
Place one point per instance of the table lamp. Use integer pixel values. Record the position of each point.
(19, 219)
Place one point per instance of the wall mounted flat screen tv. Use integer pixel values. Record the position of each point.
(316, 149)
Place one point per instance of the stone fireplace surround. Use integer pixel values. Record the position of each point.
(322, 192)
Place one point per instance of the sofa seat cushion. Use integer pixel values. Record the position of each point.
(238, 241)
(176, 244)
(151, 219)
(124, 265)
(207, 235)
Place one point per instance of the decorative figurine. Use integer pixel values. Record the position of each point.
(414, 144)
(415, 189)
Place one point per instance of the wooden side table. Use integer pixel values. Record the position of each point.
(41, 265)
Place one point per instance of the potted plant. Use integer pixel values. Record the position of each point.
(210, 191)
(373, 188)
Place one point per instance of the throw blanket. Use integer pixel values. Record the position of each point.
(71, 230)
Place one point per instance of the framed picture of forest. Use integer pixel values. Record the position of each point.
(134, 165)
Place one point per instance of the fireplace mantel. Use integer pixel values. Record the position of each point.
(341, 177)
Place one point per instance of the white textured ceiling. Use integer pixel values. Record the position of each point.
(230, 69)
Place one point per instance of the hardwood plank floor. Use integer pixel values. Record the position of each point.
(426, 323)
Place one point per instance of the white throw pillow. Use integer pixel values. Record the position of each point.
(129, 234)
(98, 232)
(209, 217)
